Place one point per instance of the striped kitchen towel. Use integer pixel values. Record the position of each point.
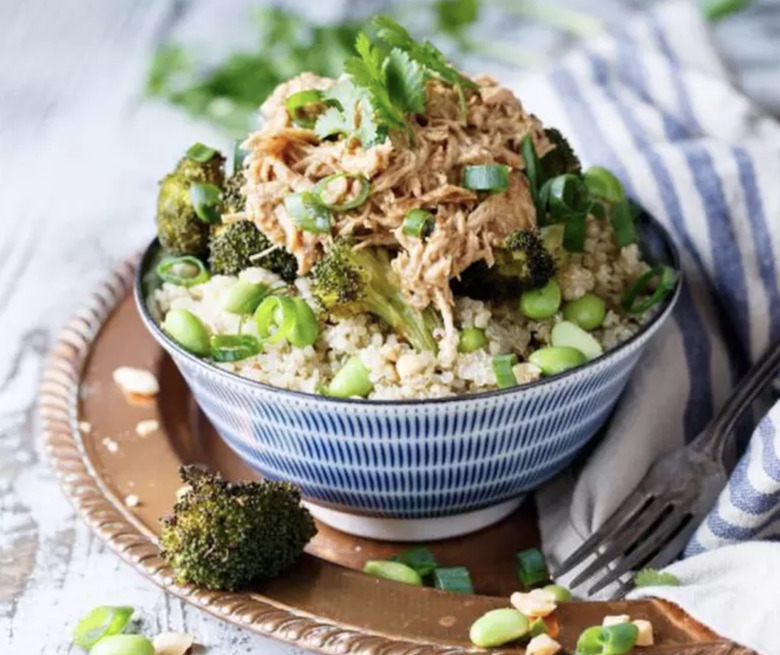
(653, 103)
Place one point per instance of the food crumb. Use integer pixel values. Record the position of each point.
(616, 620)
(172, 643)
(85, 427)
(111, 445)
(131, 500)
(147, 426)
(136, 381)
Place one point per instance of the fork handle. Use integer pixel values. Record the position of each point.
(713, 439)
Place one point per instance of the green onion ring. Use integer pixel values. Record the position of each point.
(667, 278)
(533, 167)
(186, 271)
(617, 639)
(486, 177)
(200, 153)
(502, 367)
(359, 199)
(279, 311)
(297, 103)
(207, 202)
(418, 223)
(233, 347)
(306, 213)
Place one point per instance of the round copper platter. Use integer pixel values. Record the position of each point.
(324, 603)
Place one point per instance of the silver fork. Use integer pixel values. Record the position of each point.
(655, 522)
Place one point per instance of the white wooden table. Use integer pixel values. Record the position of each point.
(80, 154)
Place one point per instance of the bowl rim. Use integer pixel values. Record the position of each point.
(170, 345)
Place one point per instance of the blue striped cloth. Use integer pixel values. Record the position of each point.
(653, 103)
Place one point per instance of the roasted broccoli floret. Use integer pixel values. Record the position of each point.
(349, 281)
(561, 159)
(224, 535)
(178, 227)
(522, 262)
(232, 246)
(233, 198)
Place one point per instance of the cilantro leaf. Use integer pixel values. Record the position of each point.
(453, 16)
(426, 54)
(353, 117)
(405, 81)
(654, 578)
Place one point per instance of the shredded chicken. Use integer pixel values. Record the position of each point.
(424, 171)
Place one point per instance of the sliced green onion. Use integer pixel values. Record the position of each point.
(538, 627)
(623, 227)
(243, 297)
(421, 559)
(531, 568)
(306, 213)
(610, 201)
(207, 201)
(604, 185)
(233, 347)
(186, 271)
(297, 105)
(667, 279)
(486, 177)
(456, 579)
(306, 328)
(200, 153)
(351, 380)
(101, 622)
(563, 196)
(533, 167)
(239, 155)
(502, 367)
(608, 640)
(418, 223)
(322, 186)
(275, 318)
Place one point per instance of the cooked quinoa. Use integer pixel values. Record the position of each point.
(397, 371)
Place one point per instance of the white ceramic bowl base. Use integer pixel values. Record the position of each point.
(414, 530)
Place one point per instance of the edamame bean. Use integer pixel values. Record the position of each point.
(561, 593)
(541, 303)
(556, 359)
(569, 334)
(100, 622)
(123, 645)
(471, 339)
(306, 328)
(393, 571)
(587, 311)
(243, 297)
(498, 627)
(351, 380)
(188, 331)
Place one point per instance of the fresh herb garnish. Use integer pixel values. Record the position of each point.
(654, 578)
(353, 116)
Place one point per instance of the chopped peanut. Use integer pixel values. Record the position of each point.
(616, 620)
(147, 426)
(172, 643)
(131, 500)
(542, 644)
(536, 603)
(645, 637)
(136, 381)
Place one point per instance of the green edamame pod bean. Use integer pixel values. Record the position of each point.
(243, 297)
(556, 359)
(351, 380)
(306, 328)
(123, 645)
(101, 622)
(588, 311)
(498, 627)
(541, 303)
(188, 331)
(471, 339)
(569, 334)
(393, 571)
(561, 593)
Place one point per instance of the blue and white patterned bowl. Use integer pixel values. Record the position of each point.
(414, 470)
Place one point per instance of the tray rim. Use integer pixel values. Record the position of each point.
(58, 413)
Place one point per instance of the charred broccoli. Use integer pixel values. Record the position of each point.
(231, 247)
(233, 198)
(178, 226)
(224, 535)
(522, 262)
(349, 281)
(561, 160)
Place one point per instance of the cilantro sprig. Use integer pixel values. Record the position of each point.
(655, 578)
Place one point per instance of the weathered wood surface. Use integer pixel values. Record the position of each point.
(81, 152)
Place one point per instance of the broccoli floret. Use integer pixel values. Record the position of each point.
(233, 198)
(178, 226)
(349, 281)
(522, 262)
(224, 535)
(231, 247)
(561, 159)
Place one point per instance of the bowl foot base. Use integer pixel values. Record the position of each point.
(414, 530)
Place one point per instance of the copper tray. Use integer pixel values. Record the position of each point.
(323, 603)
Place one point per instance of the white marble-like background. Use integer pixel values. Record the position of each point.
(80, 153)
